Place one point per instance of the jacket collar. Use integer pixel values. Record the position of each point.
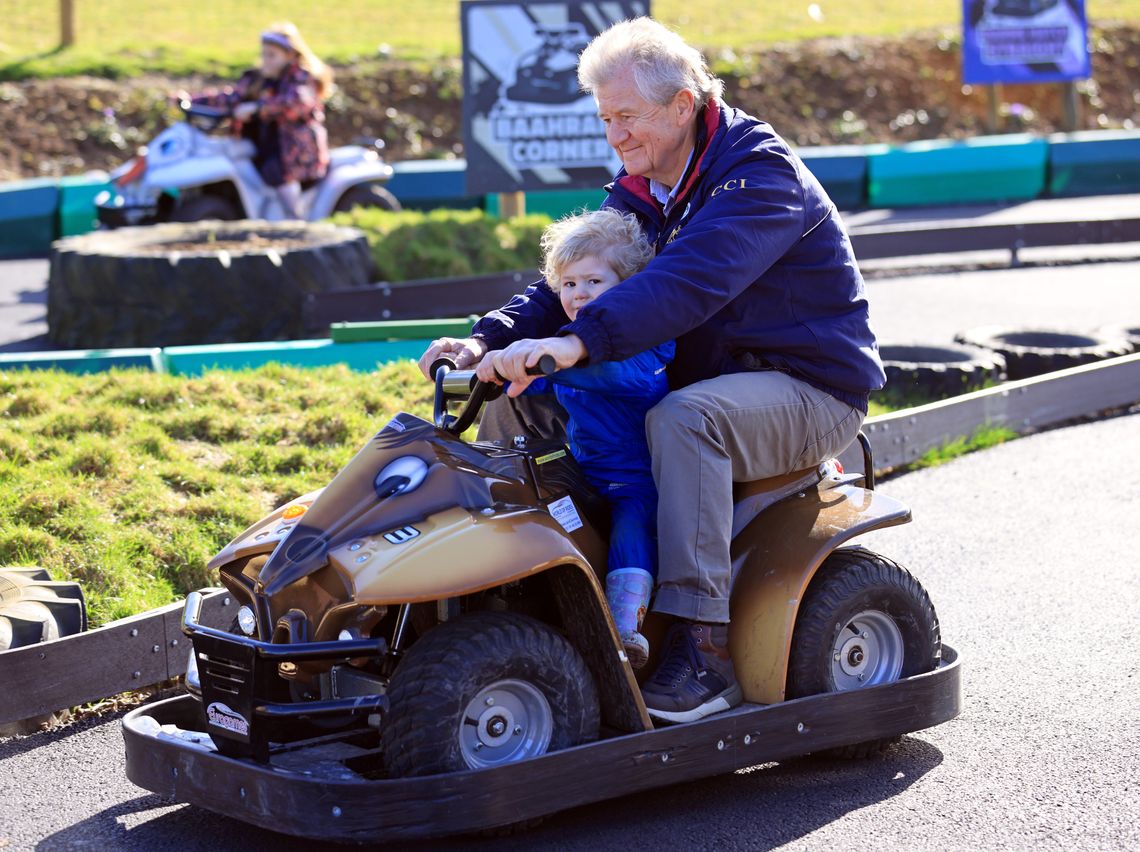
(709, 121)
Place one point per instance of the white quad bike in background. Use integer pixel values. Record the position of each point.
(186, 175)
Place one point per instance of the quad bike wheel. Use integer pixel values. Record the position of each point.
(197, 208)
(368, 195)
(486, 690)
(864, 621)
(34, 609)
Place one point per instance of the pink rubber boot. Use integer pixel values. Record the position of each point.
(627, 593)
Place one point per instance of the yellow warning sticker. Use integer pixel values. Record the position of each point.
(549, 457)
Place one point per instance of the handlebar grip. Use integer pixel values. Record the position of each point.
(442, 361)
(545, 366)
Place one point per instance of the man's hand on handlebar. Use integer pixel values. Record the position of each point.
(513, 362)
(464, 352)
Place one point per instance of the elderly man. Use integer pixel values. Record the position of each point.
(756, 281)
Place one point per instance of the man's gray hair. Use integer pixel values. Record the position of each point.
(663, 64)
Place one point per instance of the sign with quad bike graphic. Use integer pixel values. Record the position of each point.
(526, 124)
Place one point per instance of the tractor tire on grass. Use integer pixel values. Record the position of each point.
(864, 621)
(201, 282)
(938, 372)
(1035, 352)
(486, 690)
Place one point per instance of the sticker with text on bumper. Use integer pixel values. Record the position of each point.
(564, 512)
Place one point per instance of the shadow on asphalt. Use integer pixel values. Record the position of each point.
(779, 803)
(39, 343)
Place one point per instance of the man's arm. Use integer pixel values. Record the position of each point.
(534, 313)
(535, 308)
(730, 242)
(638, 376)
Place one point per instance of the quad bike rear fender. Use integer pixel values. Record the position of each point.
(341, 178)
(774, 560)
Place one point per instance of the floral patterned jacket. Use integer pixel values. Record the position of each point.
(292, 104)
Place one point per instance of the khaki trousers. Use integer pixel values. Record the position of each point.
(705, 437)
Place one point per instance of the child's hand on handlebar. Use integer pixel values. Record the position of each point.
(245, 110)
(514, 362)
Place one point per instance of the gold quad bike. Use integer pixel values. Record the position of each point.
(423, 647)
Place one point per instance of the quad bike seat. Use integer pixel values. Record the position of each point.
(752, 498)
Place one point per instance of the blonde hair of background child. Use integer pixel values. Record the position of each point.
(615, 237)
(322, 75)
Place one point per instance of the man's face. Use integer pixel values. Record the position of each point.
(583, 281)
(653, 140)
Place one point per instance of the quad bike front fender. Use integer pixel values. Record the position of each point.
(775, 558)
(191, 172)
(455, 553)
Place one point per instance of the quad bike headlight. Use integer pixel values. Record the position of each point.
(247, 621)
(399, 476)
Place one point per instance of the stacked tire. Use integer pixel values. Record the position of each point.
(35, 609)
(1035, 351)
(183, 283)
(938, 372)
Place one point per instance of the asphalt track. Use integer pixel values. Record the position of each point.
(1027, 549)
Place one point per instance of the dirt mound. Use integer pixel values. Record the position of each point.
(831, 91)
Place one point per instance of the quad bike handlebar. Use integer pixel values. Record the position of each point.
(453, 383)
(203, 117)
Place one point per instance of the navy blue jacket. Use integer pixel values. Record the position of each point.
(754, 270)
(607, 402)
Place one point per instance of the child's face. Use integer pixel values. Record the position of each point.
(583, 281)
(274, 59)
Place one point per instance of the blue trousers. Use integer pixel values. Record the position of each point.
(633, 534)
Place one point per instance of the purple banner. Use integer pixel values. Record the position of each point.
(1024, 41)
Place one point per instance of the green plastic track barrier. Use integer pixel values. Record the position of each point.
(85, 360)
(77, 204)
(944, 171)
(194, 360)
(842, 169)
(555, 203)
(27, 216)
(427, 184)
(354, 332)
(1094, 162)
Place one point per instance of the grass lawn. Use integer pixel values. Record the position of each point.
(124, 37)
(130, 481)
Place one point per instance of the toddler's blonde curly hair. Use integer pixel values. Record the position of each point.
(615, 237)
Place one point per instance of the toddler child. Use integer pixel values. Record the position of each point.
(584, 256)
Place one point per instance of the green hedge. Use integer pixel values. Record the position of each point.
(445, 243)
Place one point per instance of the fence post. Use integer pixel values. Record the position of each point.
(66, 23)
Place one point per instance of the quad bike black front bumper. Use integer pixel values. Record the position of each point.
(324, 790)
(242, 691)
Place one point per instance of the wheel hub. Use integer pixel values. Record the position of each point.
(869, 650)
(507, 721)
